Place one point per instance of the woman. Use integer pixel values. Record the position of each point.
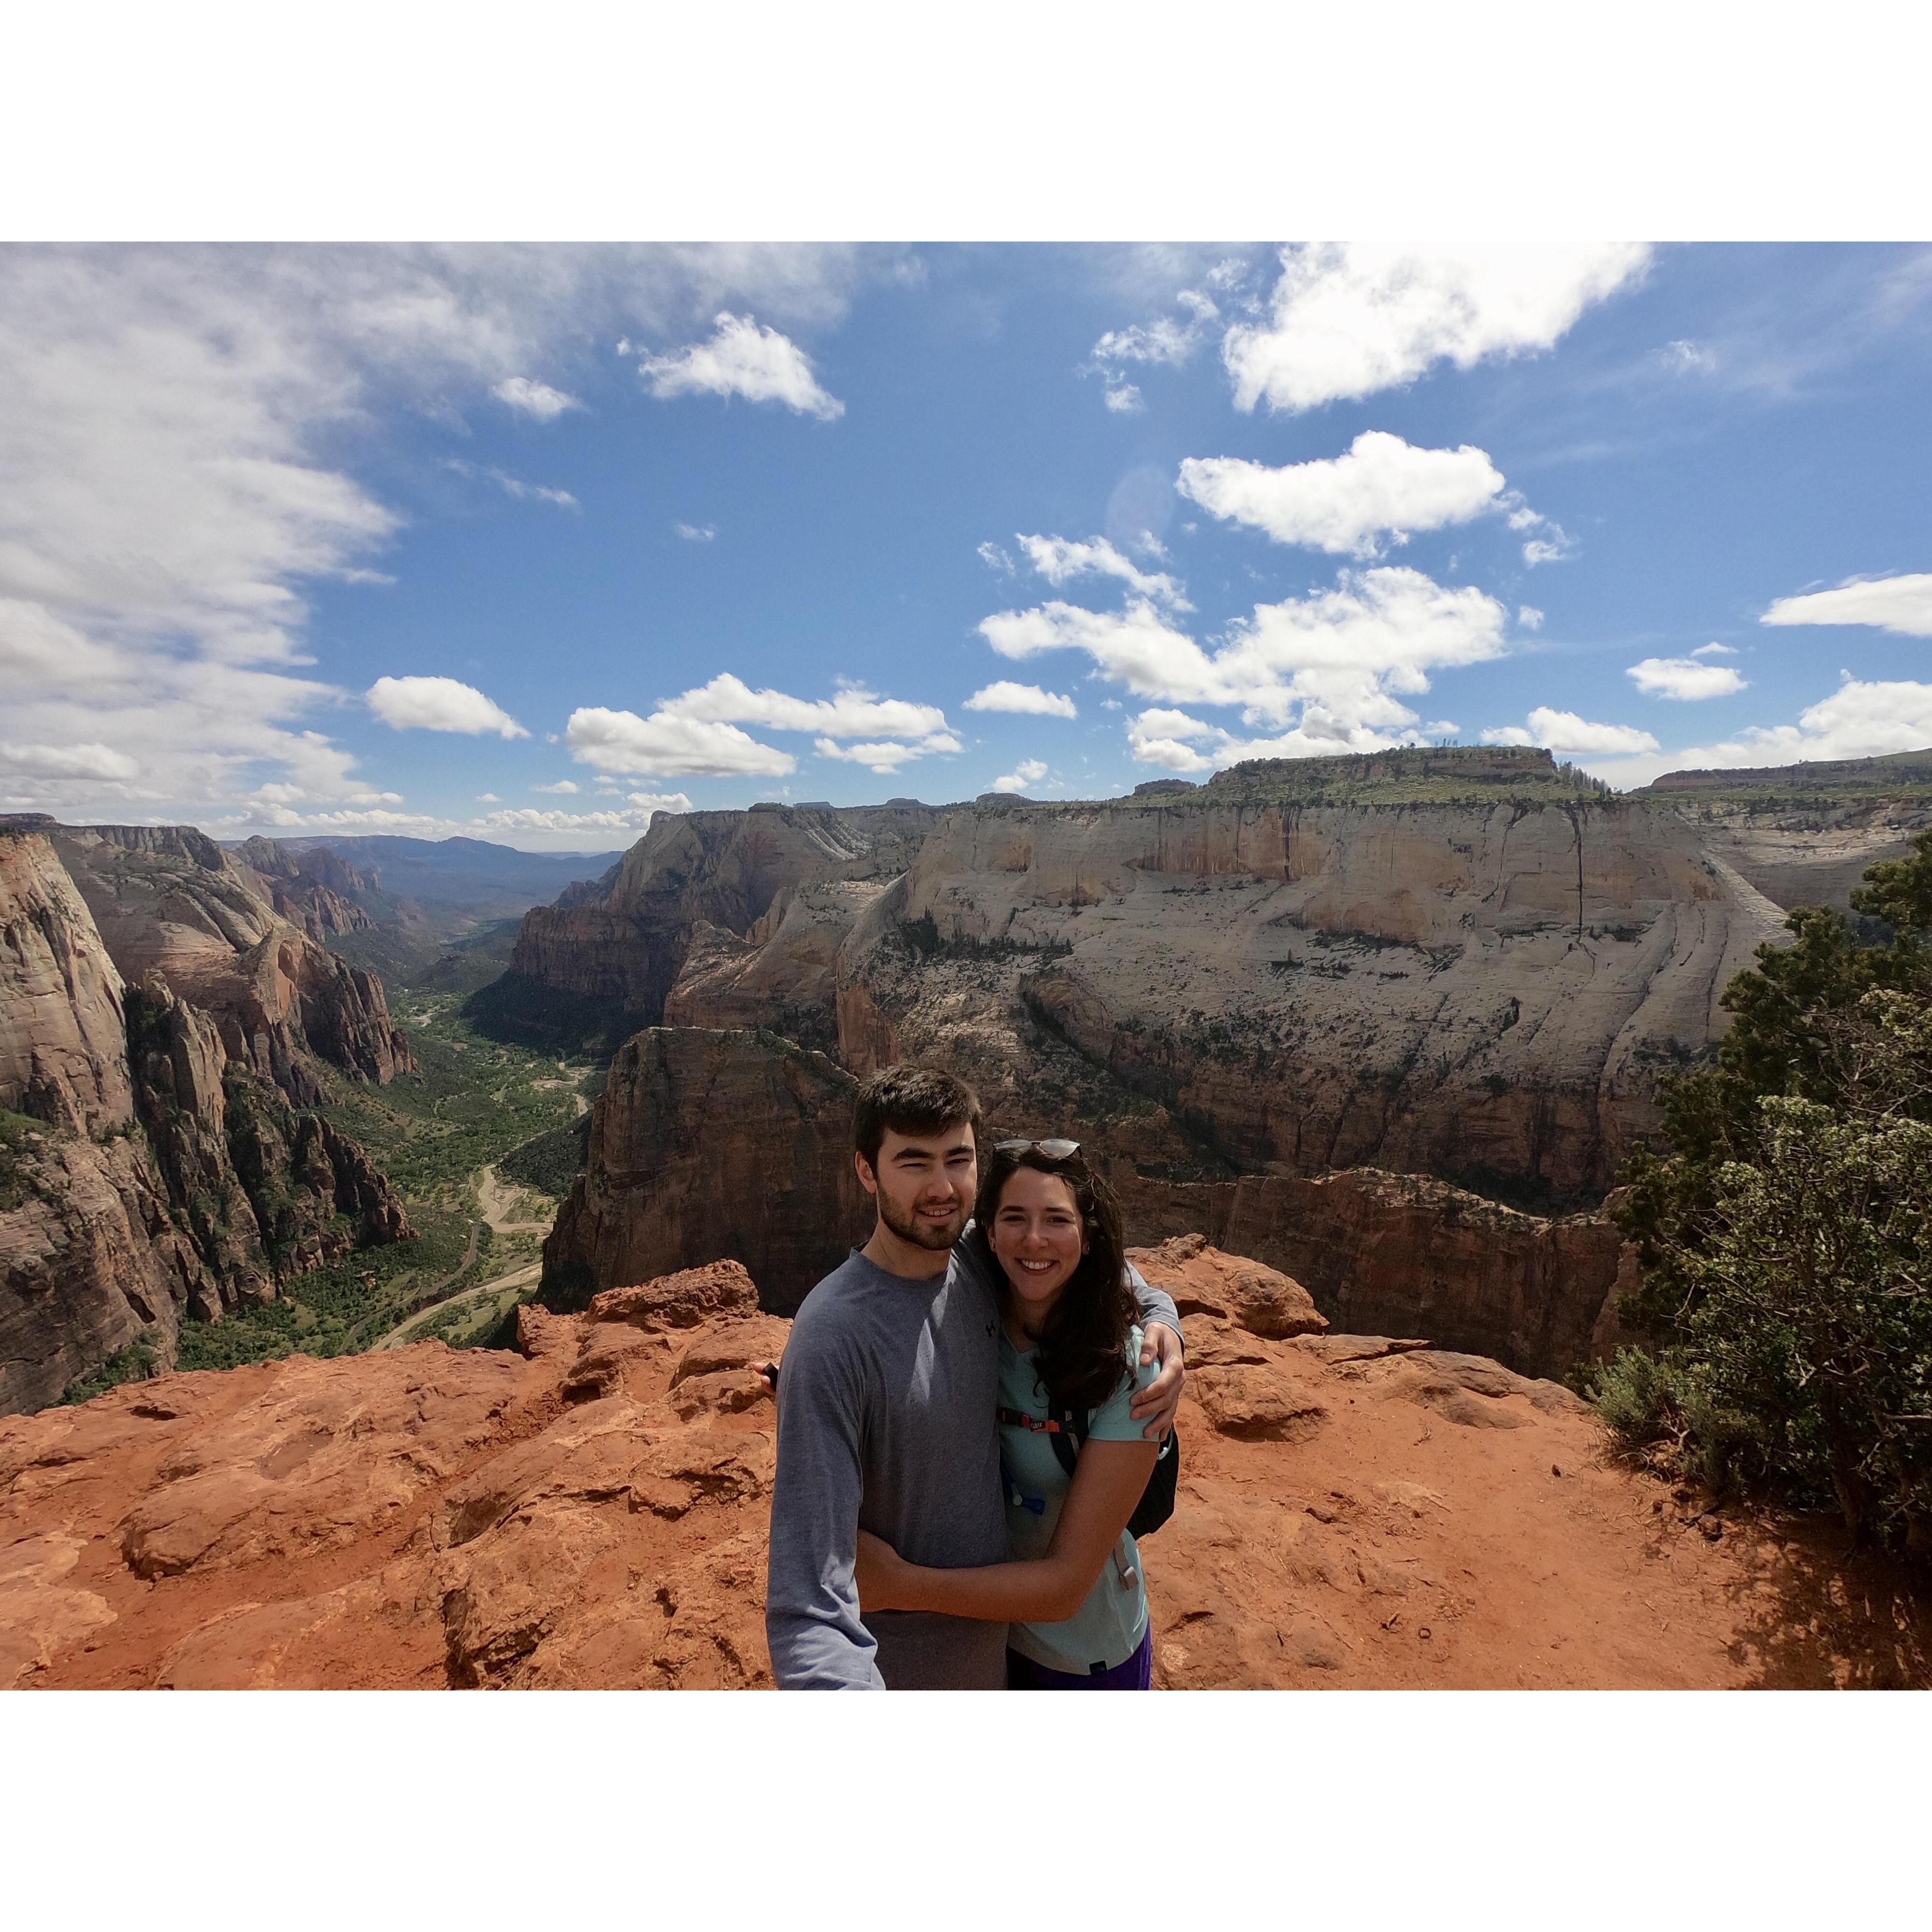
(1046, 1235)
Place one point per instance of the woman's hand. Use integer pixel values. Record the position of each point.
(882, 1574)
(1159, 1402)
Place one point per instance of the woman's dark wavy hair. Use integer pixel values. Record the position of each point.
(1082, 1353)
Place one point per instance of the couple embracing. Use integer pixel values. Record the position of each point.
(969, 1412)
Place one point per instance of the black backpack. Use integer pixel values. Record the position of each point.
(1068, 1431)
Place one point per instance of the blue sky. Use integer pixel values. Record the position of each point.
(529, 543)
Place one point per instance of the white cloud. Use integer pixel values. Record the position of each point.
(1124, 399)
(566, 788)
(743, 359)
(438, 704)
(1059, 561)
(663, 746)
(644, 806)
(1859, 720)
(1331, 668)
(65, 761)
(1348, 319)
(1529, 617)
(1684, 678)
(488, 798)
(1028, 771)
(994, 558)
(696, 532)
(886, 758)
(514, 487)
(1551, 549)
(1902, 605)
(1714, 651)
(533, 398)
(1565, 732)
(659, 801)
(178, 433)
(1169, 340)
(1170, 739)
(1381, 490)
(854, 712)
(1029, 698)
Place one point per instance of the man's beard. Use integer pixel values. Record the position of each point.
(910, 1228)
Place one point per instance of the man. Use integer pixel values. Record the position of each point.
(886, 1412)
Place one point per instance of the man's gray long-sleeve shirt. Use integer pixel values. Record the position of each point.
(886, 1423)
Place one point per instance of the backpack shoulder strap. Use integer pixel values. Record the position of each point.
(1069, 1433)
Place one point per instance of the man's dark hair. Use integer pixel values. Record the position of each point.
(911, 1100)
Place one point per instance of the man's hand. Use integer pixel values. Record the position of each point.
(1159, 1402)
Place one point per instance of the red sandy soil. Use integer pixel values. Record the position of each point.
(1353, 1511)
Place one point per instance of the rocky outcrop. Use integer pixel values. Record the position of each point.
(174, 1174)
(1399, 1254)
(313, 890)
(609, 957)
(63, 1044)
(90, 1262)
(706, 1144)
(782, 975)
(593, 1511)
(167, 901)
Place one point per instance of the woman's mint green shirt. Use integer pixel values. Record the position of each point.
(1107, 1628)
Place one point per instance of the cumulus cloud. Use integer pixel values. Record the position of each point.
(65, 761)
(1331, 668)
(1684, 678)
(532, 398)
(1378, 493)
(1029, 698)
(1552, 547)
(665, 745)
(854, 712)
(1901, 604)
(1565, 732)
(1714, 651)
(564, 786)
(1059, 561)
(643, 808)
(178, 436)
(743, 359)
(1529, 617)
(1124, 399)
(696, 532)
(1028, 771)
(885, 756)
(438, 704)
(1347, 320)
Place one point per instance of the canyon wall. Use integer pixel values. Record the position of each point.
(605, 959)
(1484, 993)
(167, 1168)
(707, 1145)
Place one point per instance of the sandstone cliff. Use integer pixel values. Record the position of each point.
(1353, 1510)
(707, 1144)
(1484, 994)
(167, 901)
(739, 1144)
(314, 889)
(607, 959)
(174, 1173)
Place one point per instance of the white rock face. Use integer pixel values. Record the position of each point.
(1457, 990)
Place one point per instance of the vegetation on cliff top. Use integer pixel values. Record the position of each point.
(1786, 1223)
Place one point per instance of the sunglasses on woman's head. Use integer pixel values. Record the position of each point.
(1055, 1149)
